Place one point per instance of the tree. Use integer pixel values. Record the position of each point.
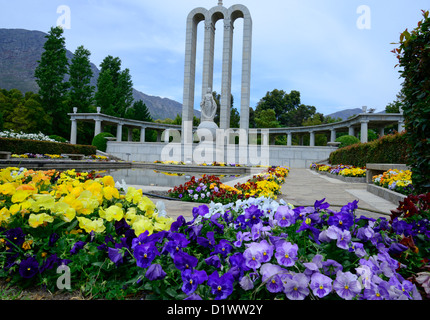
(81, 92)
(50, 77)
(288, 109)
(139, 111)
(23, 113)
(105, 95)
(414, 59)
(394, 107)
(114, 88)
(266, 119)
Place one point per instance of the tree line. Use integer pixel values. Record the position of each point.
(65, 85)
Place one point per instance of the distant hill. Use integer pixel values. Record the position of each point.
(21, 49)
(345, 114)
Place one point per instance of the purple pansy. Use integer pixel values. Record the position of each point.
(296, 288)
(192, 279)
(284, 216)
(28, 268)
(222, 286)
(321, 285)
(286, 253)
(155, 272)
(346, 285)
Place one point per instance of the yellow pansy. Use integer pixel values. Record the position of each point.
(141, 225)
(7, 189)
(110, 192)
(131, 215)
(91, 225)
(15, 208)
(4, 215)
(162, 223)
(133, 195)
(19, 196)
(66, 212)
(112, 213)
(146, 205)
(45, 200)
(108, 181)
(36, 220)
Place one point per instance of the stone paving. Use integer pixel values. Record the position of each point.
(303, 187)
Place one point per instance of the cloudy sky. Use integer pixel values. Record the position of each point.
(335, 52)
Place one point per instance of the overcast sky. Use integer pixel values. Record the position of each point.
(335, 52)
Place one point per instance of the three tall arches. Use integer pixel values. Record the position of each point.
(210, 17)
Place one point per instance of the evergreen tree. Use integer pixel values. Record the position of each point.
(81, 92)
(139, 111)
(114, 92)
(49, 75)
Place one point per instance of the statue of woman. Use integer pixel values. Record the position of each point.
(208, 106)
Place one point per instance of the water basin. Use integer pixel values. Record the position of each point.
(149, 177)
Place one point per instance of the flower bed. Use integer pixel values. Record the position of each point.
(55, 156)
(21, 135)
(396, 180)
(214, 164)
(210, 188)
(341, 170)
(118, 244)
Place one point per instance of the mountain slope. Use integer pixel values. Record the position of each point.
(21, 49)
(345, 114)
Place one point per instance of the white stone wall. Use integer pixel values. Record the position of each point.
(293, 157)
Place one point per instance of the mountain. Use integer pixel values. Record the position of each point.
(21, 49)
(345, 114)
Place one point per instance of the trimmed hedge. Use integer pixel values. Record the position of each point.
(347, 141)
(20, 146)
(388, 149)
(100, 142)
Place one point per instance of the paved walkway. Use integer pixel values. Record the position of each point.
(303, 187)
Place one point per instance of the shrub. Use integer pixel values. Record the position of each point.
(387, 149)
(100, 142)
(347, 141)
(58, 138)
(414, 59)
(21, 146)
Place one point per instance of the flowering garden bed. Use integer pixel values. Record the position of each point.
(396, 180)
(342, 172)
(117, 243)
(209, 188)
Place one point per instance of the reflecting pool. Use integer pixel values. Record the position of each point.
(150, 177)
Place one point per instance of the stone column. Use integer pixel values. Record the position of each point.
(332, 135)
(130, 134)
(73, 131)
(159, 133)
(264, 138)
(98, 127)
(166, 135)
(208, 57)
(289, 139)
(119, 132)
(351, 131)
(246, 72)
(312, 139)
(381, 131)
(226, 75)
(401, 126)
(364, 128)
(142, 134)
(193, 19)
